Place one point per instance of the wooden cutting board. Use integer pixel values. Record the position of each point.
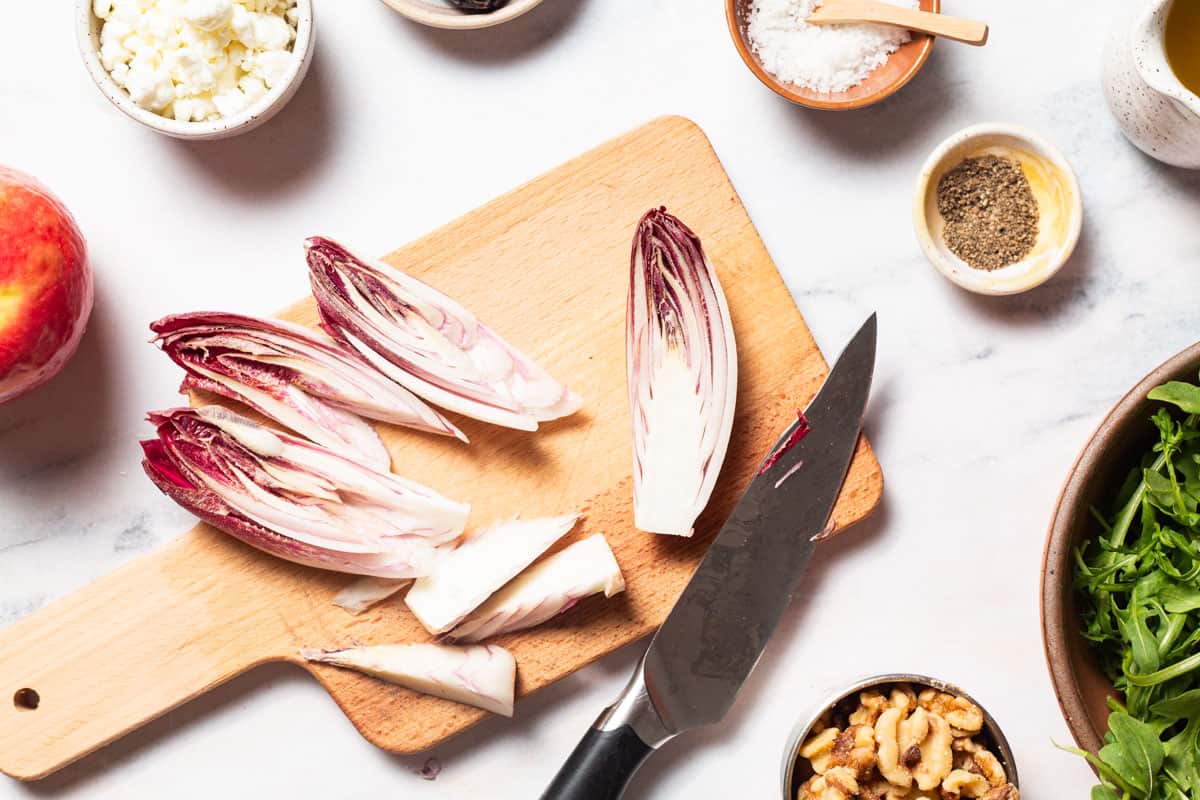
(547, 266)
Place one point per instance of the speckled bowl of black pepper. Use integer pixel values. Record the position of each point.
(997, 209)
(859, 724)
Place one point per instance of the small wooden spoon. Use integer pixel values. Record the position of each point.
(956, 28)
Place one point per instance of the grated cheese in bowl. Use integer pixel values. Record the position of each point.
(825, 58)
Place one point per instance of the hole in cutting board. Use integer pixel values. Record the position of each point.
(26, 699)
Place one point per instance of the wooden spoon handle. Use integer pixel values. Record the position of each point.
(960, 30)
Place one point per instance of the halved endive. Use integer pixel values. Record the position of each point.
(545, 590)
(682, 372)
(430, 344)
(297, 500)
(295, 377)
(484, 676)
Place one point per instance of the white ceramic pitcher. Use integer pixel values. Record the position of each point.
(1152, 106)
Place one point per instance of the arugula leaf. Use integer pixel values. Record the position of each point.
(1135, 752)
(1161, 490)
(1184, 395)
(1176, 670)
(1181, 764)
(1181, 706)
(1179, 600)
(1143, 645)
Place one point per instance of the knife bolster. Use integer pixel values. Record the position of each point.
(635, 709)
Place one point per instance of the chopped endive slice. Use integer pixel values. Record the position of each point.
(428, 343)
(682, 375)
(465, 577)
(483, 676)
(357, 597)
(297, 500)
(545, 590)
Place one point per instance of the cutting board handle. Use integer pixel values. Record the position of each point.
(133, 645)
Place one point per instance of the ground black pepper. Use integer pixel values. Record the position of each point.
(990, 212)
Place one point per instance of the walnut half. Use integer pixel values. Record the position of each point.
(964, 717)
(819, 749)
(937, 759)
(838, 783)
(870, 705)
(888, 756)
(975, 758)
(961, 783)
(855, 748)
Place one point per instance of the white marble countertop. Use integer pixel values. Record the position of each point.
(979, 408)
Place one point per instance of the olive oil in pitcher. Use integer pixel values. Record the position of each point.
(1182, 42)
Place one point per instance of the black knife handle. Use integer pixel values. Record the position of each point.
(600, 767)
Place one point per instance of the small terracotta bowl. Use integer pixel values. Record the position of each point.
(87, 29)
(1116, 446)
(443, 14)
(797, 770)
(885, 81)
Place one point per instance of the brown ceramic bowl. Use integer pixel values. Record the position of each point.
(885, 81)
(1115, 448)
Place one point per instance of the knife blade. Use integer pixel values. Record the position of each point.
(702, 654)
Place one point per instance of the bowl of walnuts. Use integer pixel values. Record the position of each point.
(899, 737)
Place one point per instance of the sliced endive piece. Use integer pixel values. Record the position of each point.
(466, 576)
(357, 597)
(430, 344)
(294, 376)
(545, 590)
(682, 372)
(297, 500)
(484, 676)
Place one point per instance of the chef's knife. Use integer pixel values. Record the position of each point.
(714, 635)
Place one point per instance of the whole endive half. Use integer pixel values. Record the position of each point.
(297, 500)
(682, 375)
(296, 377)
(428, 343)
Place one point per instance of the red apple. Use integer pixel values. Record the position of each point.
(45, 284)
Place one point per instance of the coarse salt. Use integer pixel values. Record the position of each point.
(824, 58)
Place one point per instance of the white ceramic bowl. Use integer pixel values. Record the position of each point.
(1054, 186)
(88, 34)
(443, 14)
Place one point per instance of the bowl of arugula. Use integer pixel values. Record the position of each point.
(1121, 591)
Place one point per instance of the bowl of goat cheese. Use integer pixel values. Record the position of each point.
(197, 69)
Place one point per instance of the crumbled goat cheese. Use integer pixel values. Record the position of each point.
(196, 60)
(824, 58)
